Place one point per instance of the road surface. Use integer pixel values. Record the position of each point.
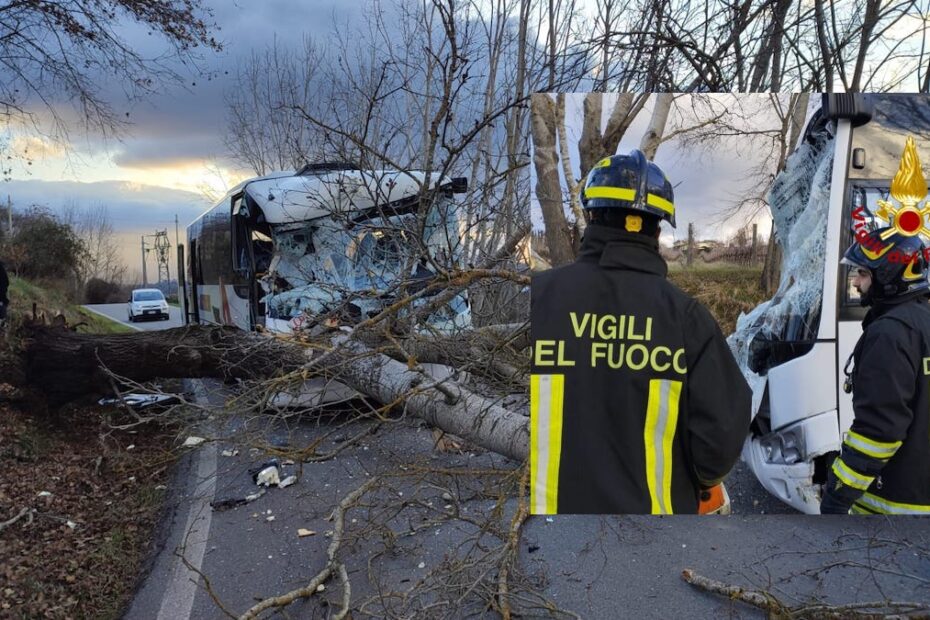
(421, 544)
(120, 314)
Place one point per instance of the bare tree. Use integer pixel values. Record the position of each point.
(58, 56)
(264, 131)
(93, 227)
(749, 45)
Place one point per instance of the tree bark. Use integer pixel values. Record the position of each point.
(548, 188)
(653, 136)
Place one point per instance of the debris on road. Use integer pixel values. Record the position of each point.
(142, 401)
(233, 452)
(234, 502)
(266, 474)
(287, 481)
(193, 442)
(303, 532)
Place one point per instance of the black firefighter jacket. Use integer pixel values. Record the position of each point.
(884, 466)
(636, 400)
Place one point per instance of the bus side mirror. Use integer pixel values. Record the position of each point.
(459, 185)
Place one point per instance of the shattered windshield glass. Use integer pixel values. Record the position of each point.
(354, 269)
(786, 325)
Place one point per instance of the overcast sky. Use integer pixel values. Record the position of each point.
(175, 143)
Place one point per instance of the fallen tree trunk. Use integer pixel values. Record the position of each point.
(65, 365)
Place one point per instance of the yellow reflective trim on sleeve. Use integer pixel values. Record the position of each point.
(547, 393)
(658, 436)
(850, 477)
(616, 193)
(856, 510)
(660, 203)
(885, 506)
(876, 449)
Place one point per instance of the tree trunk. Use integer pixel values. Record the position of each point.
(548, 188)
(65, 365)
(653, 136)
(771, 268)
(590, 146)
(574, 188)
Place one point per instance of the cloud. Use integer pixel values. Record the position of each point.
(130, 204)
(167, 151)
(187, 121)
(33, 147)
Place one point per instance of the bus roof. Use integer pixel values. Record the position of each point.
(294, 197)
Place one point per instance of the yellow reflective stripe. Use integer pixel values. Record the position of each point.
(658, 435)
(660, 203)
(534, 439)
(857, 510)
(674, 392)
(617, 193)
(876, 449)
(649, 430)
(547, 393)
(555, 444)
(885, 506)
(850, 477)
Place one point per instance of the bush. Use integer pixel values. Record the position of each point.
(42, 247)
(100, 291)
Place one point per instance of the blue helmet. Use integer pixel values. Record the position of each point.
(630, 182)
(898, 263)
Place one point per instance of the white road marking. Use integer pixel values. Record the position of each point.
(178, 598)
(107, 316)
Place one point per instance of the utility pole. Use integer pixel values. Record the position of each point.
(145, 281)
(9, 216)
(177, 246)
(690, 258)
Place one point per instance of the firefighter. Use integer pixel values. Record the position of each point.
(884, 463)
(637, 405)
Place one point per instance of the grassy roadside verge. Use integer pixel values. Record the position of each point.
(23, 294)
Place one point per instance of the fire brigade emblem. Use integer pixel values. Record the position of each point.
(908, 188)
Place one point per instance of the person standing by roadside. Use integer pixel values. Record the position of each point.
(4, 287)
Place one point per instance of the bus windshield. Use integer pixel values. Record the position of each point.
(358, 268)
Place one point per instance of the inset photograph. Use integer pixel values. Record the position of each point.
(729, 304)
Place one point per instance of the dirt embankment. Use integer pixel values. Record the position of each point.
(87, 497)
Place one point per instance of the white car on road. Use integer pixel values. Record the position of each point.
(147, 303)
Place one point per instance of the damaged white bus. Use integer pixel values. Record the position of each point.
(331, 242)
(794, 347)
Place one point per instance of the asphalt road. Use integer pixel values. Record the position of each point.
(421, 543)
(120, 313)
